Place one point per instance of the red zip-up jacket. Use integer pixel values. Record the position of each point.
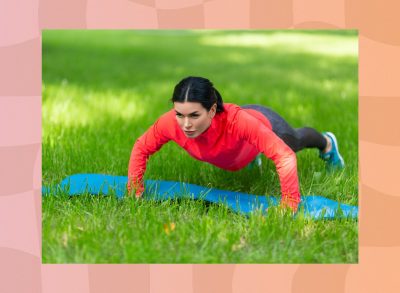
(232, 141)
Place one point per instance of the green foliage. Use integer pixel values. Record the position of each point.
(103, 89)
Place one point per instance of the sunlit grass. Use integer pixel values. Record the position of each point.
(71, 105)
(95, 109)
(288, 41)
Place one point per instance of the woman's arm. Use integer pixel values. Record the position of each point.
(146, 145)
(266, 141)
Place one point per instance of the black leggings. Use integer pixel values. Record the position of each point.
(296, 138)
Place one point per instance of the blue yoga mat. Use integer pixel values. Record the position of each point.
(314, 206)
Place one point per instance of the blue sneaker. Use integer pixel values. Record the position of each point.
(256, 162)
(333, 158)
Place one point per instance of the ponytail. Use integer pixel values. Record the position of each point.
(220, 104)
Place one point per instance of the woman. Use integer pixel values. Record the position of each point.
(229, 137)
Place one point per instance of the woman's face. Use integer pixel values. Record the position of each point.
(193, 118)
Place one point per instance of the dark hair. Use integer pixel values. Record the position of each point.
(200, 90)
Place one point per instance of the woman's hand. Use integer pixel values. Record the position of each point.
(290, 203)
(138, 192)
(133, 193)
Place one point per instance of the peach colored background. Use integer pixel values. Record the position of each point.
(21, 23)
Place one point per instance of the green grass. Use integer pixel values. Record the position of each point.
(103, 89)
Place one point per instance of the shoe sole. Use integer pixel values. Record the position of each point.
(333, 137)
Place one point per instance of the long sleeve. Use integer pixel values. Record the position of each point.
(267, 142)
(146, 145)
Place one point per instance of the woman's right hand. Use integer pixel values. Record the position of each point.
(290, 203)
(134, 190)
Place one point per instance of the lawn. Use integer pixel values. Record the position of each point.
(103, 89)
